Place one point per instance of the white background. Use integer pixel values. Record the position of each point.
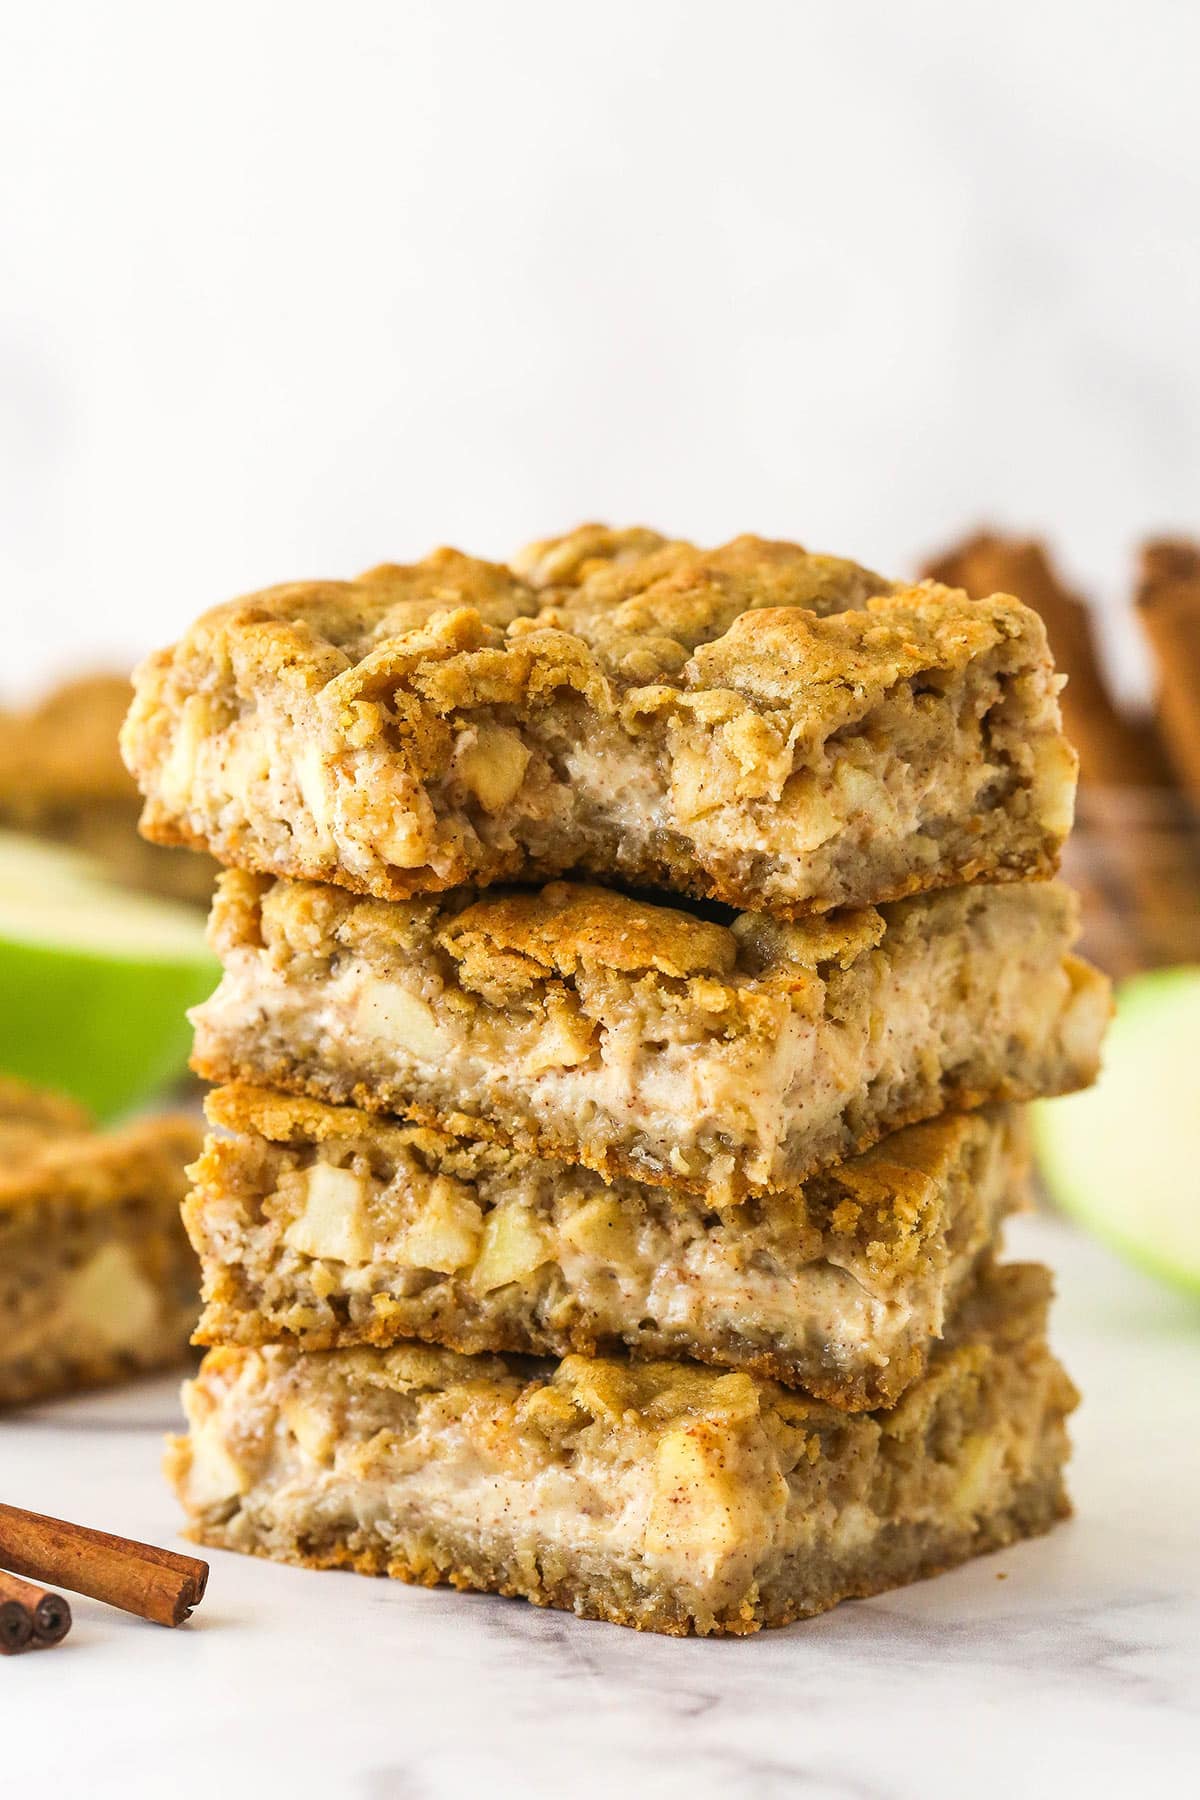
(286, 289)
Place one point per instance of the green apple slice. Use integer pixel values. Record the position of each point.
(1124, 1157)
(95, 981)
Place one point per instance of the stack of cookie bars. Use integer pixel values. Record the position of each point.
(625, 1243)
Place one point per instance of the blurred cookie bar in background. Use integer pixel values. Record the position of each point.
(61, 777)
(97, 1279)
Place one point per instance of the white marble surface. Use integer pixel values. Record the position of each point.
(1077, 1673)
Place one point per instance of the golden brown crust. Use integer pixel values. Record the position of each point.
(569, 926)
(889, 1180)
(1008, 1307)
(847, 1391)
(609, 1161)
(564, 928)
(723, 675)
(885, 1188)
(562, 562)
(500, 941)
(673, 596)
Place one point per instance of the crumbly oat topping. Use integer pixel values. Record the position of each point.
(753, 723)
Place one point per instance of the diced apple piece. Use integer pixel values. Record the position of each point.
(812, 816)
(214, 1476)
(491, 761)
(179, 767)
(694, 791)
(333, 1223)
(316, 791)
(1087, 1013)
(566, 1040)
(1056, 770)
(979, 1462)
(695, 1511)
(388, 1013)
(513, 1247)
(312, 1429)
(603, 1229)
(445, 1234)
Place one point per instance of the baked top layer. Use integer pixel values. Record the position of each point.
(751, 723)
(623, 593)
(639, 1039)
(328, 1227)
(661, 1495)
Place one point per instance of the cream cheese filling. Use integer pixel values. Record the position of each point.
(621, 1506)
(893, 1026)
(698, 1505)
(621, 780)
(675, 1095)
(703, 1287)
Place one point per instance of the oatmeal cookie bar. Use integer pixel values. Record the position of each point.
(660, 1495)
(754, 724)
(642, 1040)
(97, 1279)
(328, 1227)
(61, 777)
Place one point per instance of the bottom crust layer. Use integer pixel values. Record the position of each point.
(810, 1584)
(664, 1496)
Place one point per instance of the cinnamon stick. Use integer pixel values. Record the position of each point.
(16, 1628)
(1168, 599)
(1143, 872)
(1115, 750)
(159, 1585)
(48, 1613)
